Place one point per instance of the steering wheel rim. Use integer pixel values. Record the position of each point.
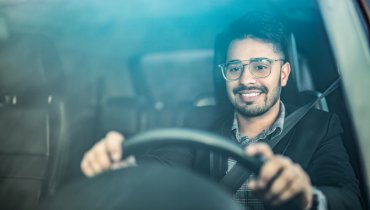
(168, 178)
(202, 139)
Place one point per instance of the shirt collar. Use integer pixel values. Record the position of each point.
(273, 131)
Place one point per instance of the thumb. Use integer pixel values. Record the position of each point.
(114, 141)
(259, 149)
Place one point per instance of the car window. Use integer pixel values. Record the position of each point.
(70, 71)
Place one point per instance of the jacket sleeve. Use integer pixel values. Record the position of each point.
(331, 172)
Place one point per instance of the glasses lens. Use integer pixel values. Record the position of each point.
(232, 71)
(260, 68)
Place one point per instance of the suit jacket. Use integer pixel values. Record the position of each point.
(314, 143)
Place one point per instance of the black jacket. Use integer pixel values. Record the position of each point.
(314, 143)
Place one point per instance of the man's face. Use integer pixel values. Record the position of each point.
(255, 96)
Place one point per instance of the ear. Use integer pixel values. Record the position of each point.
(284, 76)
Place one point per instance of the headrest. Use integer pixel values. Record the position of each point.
(174, 77)
(122, 114)
(29, 64)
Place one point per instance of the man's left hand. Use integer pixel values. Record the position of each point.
(280, 179)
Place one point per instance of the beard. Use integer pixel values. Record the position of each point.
(249, 109)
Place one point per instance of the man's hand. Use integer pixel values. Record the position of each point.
(105, 155)
(280, 179)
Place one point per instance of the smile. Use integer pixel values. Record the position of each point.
(250, 94)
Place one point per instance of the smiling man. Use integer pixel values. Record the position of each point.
(255, 93)
(309, 162)
(255, 72)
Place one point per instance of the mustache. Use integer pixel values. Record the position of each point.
(242, 88)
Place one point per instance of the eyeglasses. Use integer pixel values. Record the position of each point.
(258, 67)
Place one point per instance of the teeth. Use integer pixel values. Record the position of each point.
(250, 94)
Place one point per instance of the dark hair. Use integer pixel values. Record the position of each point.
(262, 26)
(259, 25)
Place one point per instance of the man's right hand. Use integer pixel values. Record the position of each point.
(105, 155)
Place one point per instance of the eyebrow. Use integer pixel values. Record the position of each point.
(257, 58)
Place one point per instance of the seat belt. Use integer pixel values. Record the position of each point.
(234, 179)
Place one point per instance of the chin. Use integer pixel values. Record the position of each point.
(251, 110)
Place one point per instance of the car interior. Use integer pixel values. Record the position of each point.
(70, 71)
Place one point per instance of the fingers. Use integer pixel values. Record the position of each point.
(127, 162)
(103, 154)
(114, 141)
(86, 168)
(275, 174)
(286, 186)
(259, 149)
(97, 158)
(280, 179)
(300, 185)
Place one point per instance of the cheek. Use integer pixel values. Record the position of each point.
(273, 82)
(271, 85)
(229, 89)
(230, 86)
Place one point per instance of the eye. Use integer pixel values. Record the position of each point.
(260, 66)
(233, 68)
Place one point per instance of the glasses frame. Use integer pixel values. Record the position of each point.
(222, 67)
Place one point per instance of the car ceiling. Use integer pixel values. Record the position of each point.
(112, 32)
(124, 20)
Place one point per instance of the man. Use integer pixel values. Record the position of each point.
(255, 69)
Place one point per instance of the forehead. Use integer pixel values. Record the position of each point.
(247, 48)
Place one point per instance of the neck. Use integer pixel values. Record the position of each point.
(252, 126)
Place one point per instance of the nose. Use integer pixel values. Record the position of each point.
(246, 77)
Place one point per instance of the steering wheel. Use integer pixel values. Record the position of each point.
(155, 186)
(196, 138)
